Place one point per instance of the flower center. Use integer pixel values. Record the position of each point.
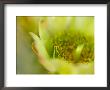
(65, 44)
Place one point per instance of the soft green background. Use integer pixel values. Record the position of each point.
(27, 62)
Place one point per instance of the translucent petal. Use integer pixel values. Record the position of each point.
(39, 46)
(57, 24)
(63, 67)
(87, 68)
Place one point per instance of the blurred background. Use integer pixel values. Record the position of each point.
(27, 62)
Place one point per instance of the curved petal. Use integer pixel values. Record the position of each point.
(87, 68)
(57, 24)
(39, 46)
(78, 52)
(63, 67)
(83, 24)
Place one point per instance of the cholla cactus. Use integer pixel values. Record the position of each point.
(65, 45)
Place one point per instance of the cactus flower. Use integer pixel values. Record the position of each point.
(65, 45)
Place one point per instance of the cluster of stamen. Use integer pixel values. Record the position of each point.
(65, 44)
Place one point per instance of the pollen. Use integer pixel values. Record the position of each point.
(66, 43)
